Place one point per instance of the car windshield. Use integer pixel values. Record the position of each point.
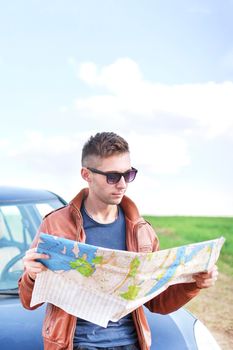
(18, 226)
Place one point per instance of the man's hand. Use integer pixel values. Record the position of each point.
(206, 279)
(32, 266)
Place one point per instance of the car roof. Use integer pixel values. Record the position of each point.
(20, 195)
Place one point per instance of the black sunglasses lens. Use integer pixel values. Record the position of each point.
(130, 175)
(113, 178)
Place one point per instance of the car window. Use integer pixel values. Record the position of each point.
(14, 224)
(45, 208)
(18, 226)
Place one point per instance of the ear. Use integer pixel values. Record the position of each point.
(86, 174)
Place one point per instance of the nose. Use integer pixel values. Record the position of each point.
(121, 184)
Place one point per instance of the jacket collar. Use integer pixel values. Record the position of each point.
(128, 206)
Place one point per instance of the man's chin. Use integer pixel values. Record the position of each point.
(116, 199)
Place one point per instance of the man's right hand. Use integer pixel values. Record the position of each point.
(32, 266)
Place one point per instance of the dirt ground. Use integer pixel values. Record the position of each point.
(214, 307)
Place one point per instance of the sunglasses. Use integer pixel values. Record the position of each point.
(113, 177)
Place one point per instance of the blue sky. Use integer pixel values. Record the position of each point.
(160, 73)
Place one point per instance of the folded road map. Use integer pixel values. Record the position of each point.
(99, 284)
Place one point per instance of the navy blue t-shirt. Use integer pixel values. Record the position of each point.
(118, 333)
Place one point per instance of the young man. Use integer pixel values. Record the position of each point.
(103, 216)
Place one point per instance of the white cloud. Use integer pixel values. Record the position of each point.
(52, 162)
(119, 77)
(88, 73)
(207, 107)
(183, 200)
(165, 154)
(52, 155)
(36, 143)
(4, 143)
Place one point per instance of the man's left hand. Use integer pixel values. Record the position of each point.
(206, 279)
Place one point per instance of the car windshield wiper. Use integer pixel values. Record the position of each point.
(14, 291)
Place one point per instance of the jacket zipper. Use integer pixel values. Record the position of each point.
(72, 335)
(75, 322)
(142, 338)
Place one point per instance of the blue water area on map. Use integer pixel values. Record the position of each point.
(170, 271)
(196, 249)
(181, 258)
(61, 252)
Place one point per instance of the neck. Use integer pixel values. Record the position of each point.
(104, 214)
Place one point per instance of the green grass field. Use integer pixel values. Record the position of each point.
(178, 230)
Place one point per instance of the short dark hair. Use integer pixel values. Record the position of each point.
(103, 145)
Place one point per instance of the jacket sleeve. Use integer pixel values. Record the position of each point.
(173, 298)
(25, 283)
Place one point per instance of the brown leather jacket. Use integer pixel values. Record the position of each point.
(59, 326)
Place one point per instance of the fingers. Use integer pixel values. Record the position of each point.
(206, 279)
(209, 274)
(204, 283)
(31, 265)
(32, 254)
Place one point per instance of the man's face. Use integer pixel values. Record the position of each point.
(102, 191)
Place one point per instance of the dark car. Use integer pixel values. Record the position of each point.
(21, 211)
